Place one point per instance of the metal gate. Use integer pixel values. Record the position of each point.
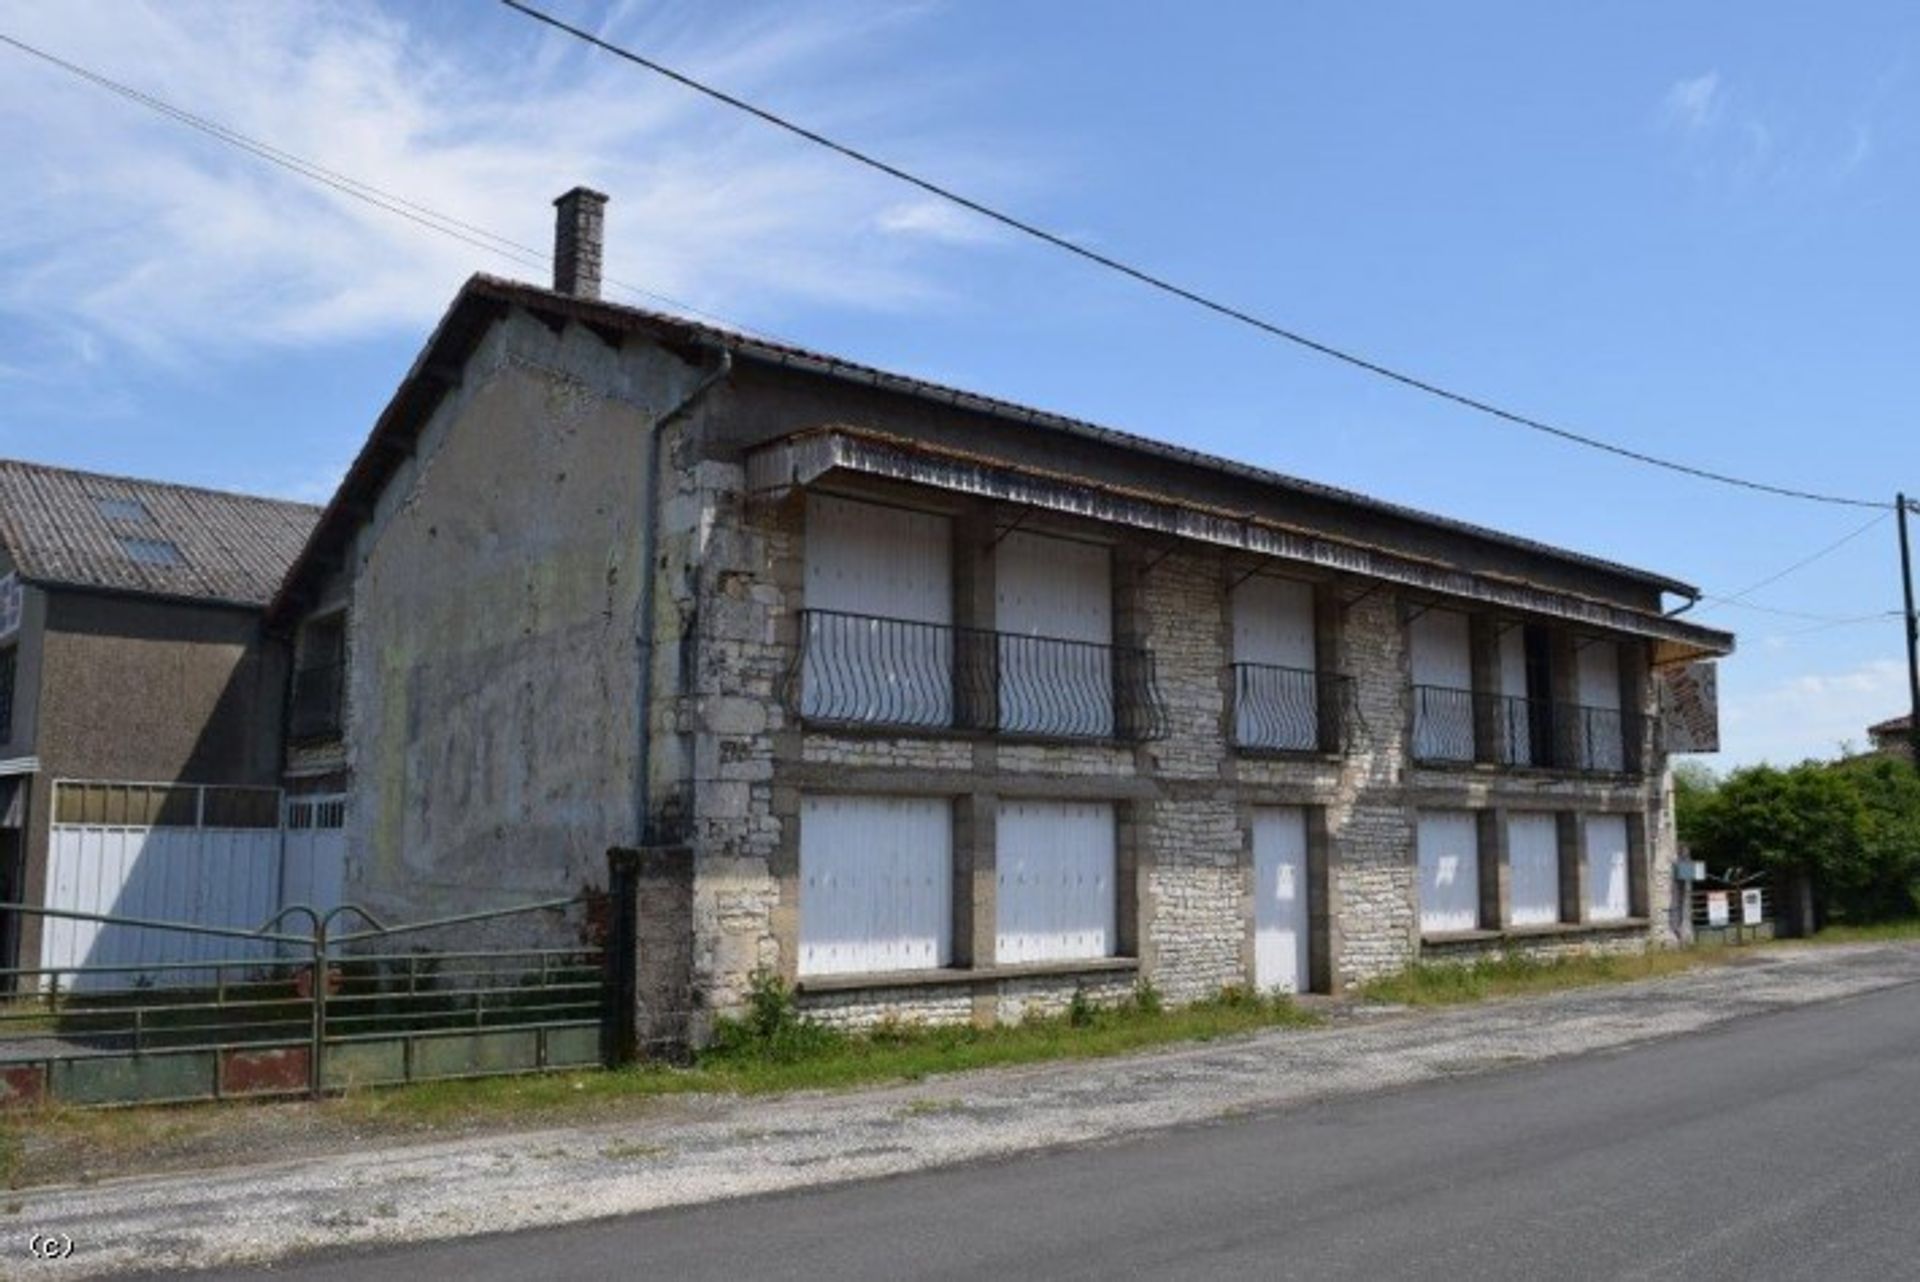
(206, 854)
(303, 1005)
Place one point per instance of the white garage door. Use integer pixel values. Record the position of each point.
(1280, 905)
(1449, 858)
(1056, 881)
(1608, 897)
(1533, 858)
(876, 884)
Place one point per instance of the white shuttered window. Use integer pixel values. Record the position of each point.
(876, 884)
(1601, 742)
(879, 596)
(1276, 695)
(1449, 857)
(1608, 897)
(1443, 686)
(1055, 895)
(1533, 859)
(1054, 610)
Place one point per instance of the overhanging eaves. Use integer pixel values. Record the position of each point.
(804, 459)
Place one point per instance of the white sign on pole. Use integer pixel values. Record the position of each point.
(1717, 908)
(1750, 907)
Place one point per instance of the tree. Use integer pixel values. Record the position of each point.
(1695, 789)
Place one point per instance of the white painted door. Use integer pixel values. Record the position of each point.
(1055, 883)
(1449, 871)
(1442, 661)
(1053, 606)
(1515, 720)
(879, 595)
(1280, 905)
(1533, 860)
(1608, 893)
(1597, 668)
(1277, 697)
(876, 884)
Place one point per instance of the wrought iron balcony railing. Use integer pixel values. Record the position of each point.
(863, 670)
(318, 703)
(1460, 725)
(1290, 709)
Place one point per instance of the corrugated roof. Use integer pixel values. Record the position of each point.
(116, 533)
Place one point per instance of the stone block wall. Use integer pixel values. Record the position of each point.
(1185, 800)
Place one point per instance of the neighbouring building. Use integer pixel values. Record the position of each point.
(140, 702)
(1893, 738)
(942, 707)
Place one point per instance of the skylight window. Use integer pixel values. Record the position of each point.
(152, 551)
(123, 510)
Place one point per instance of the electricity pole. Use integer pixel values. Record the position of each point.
(1913, 636)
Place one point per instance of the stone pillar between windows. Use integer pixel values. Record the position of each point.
(1495, 872)
(1323, 905)
(1573, 868)
(1639, 898)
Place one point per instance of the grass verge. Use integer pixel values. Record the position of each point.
(1454, 983)
(774, 1049)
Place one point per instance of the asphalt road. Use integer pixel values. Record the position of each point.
(1782, 1146)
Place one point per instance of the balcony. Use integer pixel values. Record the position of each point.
(318, 701)
(861, 670)
(1462, 726)
(1289, 709)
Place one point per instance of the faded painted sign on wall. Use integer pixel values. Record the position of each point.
(1690, 706)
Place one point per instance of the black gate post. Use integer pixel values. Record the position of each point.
(620, 1040)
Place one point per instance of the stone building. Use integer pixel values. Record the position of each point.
(140, 700)
(944, 707)
(1892, 737)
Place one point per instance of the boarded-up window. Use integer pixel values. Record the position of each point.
(1276, 690)
(1533, 858)
(1449, 865)
(1442, 661)
(1055, 881)
(876, 884)
(1609, 893)
(1601, 741)
(879, 601)
(1054, 612)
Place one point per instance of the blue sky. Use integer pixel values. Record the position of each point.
(1686, 233)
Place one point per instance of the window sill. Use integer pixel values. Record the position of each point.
(1624, 925)
(958, 734)
(1555, 773)
(1253, 752)
(950, 975)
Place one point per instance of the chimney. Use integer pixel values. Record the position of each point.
(577, 231)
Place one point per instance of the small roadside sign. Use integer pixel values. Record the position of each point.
(1751, 909)
(1717, 914)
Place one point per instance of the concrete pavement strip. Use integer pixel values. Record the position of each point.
(724, 1147)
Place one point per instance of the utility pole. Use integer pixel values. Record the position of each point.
(1913, 636)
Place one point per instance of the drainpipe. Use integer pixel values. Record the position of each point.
(650, 571)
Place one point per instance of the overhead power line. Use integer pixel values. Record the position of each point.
(1166, 286)
(432, 219)
(1739, 599)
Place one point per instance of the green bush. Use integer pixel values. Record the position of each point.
(773, 1030)
(1851, 828)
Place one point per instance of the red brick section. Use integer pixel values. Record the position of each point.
(256, 1072)
(22, 1085)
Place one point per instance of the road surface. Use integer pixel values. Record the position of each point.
(1784, 1145)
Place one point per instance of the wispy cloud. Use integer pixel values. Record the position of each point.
(1693, 104)
(130, 230)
